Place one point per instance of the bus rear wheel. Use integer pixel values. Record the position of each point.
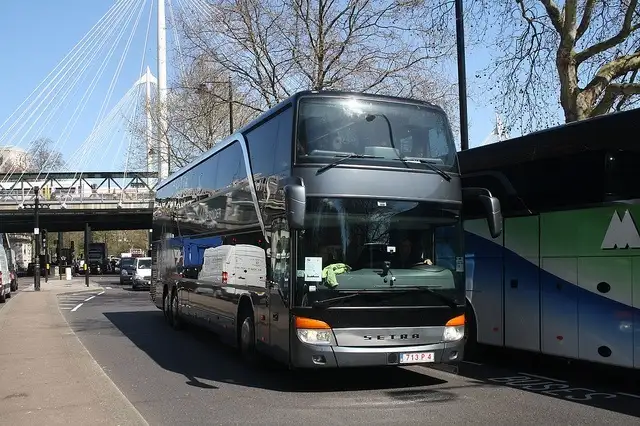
(248, 339)
(166, 307)
(176, 322)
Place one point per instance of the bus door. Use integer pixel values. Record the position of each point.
(279, 290)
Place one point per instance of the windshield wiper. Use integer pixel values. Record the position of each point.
(446, 300)
(427, 163)
(333, 300)
(345, 158)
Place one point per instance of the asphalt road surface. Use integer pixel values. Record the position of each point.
(189, 378)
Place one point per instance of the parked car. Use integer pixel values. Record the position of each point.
(127, 270)
(5, 277)
(142, 273)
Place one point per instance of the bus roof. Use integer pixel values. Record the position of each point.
(610, 132)
(589, 163)
(275, 110)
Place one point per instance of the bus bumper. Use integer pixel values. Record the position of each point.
(312, 356)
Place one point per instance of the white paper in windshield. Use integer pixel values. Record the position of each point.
(313, 269)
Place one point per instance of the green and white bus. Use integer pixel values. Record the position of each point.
(564, 277)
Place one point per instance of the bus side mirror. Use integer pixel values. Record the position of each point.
(494, 214)
(295, 205)
(491, 206)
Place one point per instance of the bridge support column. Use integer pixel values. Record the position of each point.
(87, 238)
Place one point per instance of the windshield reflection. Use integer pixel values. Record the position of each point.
(373, 132)
(378, 245)
(144, 264)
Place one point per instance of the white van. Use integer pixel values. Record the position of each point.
(5, 277)
(141, 273)
(239, 265)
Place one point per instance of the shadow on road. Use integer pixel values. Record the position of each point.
(579, 382)
(198, 355)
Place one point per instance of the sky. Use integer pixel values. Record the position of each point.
(35, 36)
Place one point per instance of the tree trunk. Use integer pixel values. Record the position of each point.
(568, 76)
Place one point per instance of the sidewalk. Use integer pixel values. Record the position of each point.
(47, 377)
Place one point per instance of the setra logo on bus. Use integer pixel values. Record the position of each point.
(392, 337)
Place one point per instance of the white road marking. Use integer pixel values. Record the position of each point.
(108, 288)
(70, 300)
(544, 378)
(629, 394)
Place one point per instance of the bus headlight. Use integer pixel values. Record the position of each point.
(453, 334)
(315, 337)
(313, 332)
(454, 329)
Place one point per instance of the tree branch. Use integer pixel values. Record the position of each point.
(613, 92)
(610, 71)
(586, 18)
(626, 29)
(554, 14)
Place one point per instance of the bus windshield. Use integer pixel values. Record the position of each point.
(378, 245)
(374, 132)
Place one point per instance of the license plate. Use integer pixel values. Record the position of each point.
(417, 357)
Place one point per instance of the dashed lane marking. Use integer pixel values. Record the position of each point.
(76, 308)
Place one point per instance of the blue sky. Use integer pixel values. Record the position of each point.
(37, 34)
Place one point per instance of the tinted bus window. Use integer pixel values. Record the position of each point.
(270, 145)
(383, 131)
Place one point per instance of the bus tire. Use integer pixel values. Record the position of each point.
(176, 322)
(247, 338)
(166, 306)
(471, 333)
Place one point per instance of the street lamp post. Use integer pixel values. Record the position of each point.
(230, 106)
(87, 241)
(203, 88)
(462, 76)
(36, 236)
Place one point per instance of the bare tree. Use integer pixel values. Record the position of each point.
(198, 116)
(276, 48)
(271, 49)
(43, 156)
(583, 53)
(13, 162)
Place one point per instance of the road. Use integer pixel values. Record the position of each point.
(22, 283)
(189, 378)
